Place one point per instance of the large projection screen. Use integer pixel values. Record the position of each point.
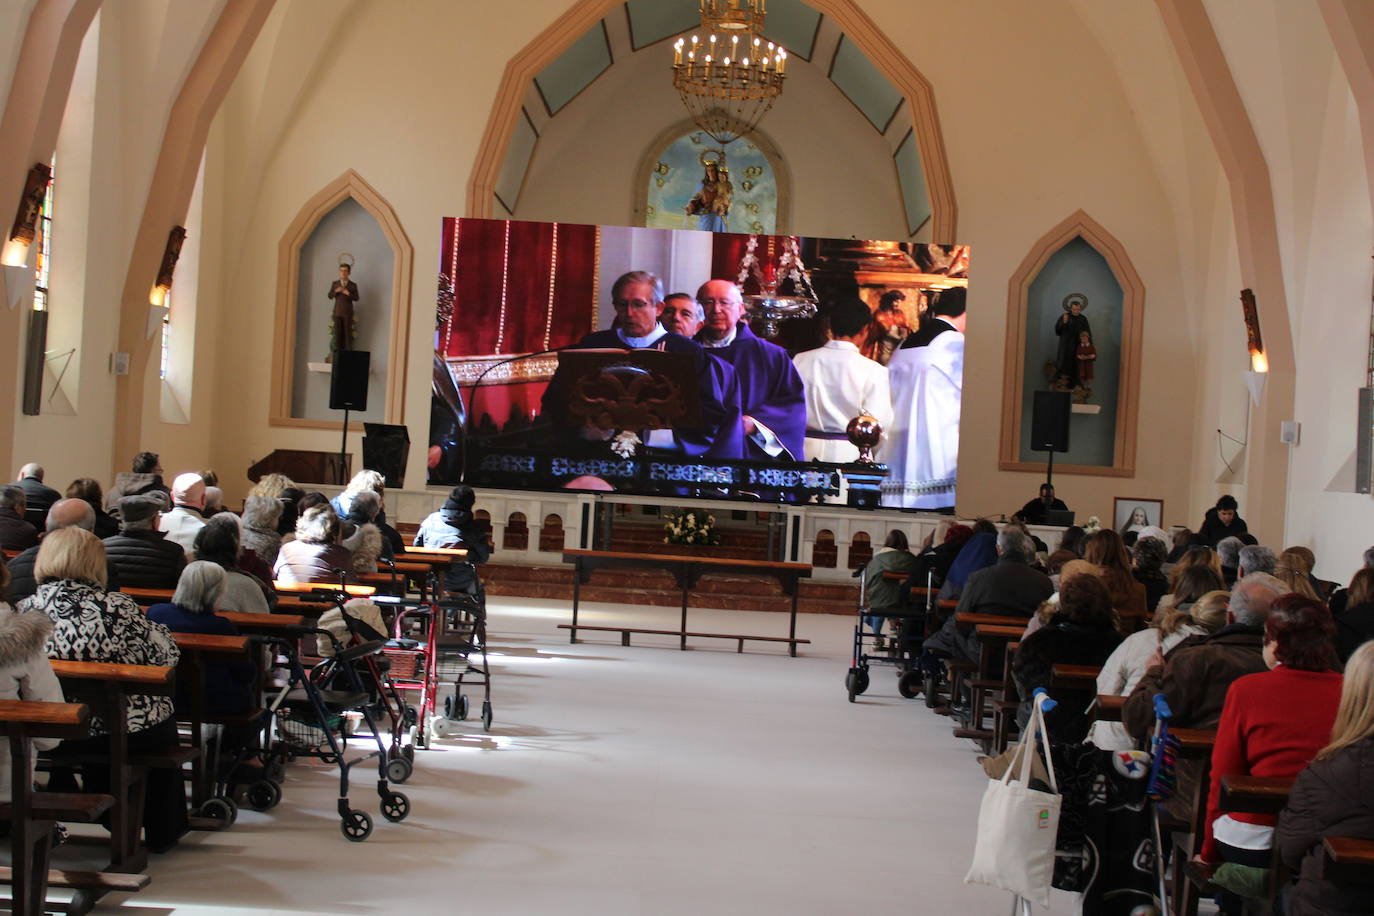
(557, 364)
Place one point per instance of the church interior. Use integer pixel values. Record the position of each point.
(190, 179)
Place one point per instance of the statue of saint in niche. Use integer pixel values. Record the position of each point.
(343, 327)
(711, 203)
(1072, 371)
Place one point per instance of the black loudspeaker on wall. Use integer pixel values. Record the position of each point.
(348, 381)
(1050, 413)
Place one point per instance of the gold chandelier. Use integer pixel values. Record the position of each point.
(729, 81)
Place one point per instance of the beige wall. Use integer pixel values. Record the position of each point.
(1042, 114)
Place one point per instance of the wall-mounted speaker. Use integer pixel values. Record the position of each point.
(348, 380)
(1050, 412)
(1364, 442)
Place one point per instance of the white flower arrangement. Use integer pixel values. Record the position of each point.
(1093, 525)
(691, 528)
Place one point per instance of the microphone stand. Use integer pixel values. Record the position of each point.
(472, 397)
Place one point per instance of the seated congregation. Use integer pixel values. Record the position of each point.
(1262, 673)
(135, 608)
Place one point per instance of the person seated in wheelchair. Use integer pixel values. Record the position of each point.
(884, 594)
(454, 525)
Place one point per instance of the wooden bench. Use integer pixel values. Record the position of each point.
(1004, 708)
(1194, 744)
(1108, 707)
(1074, 677)
(198, 652)
(33, 815)
(322, 589)
(106, 687)
(1348, 860)
(686, 570)
(997, 620)
(987, 679)
(265, 624)
(626, 631)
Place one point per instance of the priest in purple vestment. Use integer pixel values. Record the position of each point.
(772, 395)
(638, 300)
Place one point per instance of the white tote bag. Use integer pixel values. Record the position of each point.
(1017, 825)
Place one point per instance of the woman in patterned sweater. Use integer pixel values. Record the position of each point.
(93, 625)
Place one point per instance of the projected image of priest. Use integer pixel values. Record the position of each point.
(637, 297)
(681, 314)
(926, 375)
(841, 383)
(772, 396)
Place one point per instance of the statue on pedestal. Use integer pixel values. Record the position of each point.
(1068, 371)
(344, 292)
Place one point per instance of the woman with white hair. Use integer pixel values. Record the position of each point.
(360, 534)
(260, 517)
(93, 625)
(25, 672)
(316, 554)
(228, 685)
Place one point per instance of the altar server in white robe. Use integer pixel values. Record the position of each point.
(840, 384)
(927, 379)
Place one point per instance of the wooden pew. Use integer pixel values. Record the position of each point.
(32, 815)
(996, 620)
(1074, 677)
(1108, 707)
(1348, 860)
(1004, 707)
(266, 624)
(992, 639)
(198, 652)
(1194, 744)
(106, 687)
(319, 590)
(1260, 795)
(305, 605)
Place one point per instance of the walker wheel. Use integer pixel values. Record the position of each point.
(220, 809)
(398, 770)
(486, 715)
(456, 706)
(356, 826)
(410, 716)
(263, 795)
(408, 752)
(395, 807)
(856, 682)
(910, 683)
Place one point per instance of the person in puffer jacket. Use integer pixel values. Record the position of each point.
(453, 525)
(25, 672)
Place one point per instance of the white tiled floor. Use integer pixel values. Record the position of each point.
(637, 780)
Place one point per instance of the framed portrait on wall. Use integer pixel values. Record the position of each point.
(1131, 513)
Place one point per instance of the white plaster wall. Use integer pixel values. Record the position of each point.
(1304, 116)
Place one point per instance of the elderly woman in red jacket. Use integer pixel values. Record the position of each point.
(1273, 724)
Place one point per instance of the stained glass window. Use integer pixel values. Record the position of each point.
(43, 266)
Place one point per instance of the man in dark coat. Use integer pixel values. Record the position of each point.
(65, 513)
(15, 532)
(1221, 522)
(772, 395)
(1035, 511)
(950, 303)
(1198, 672)
(638, 300)
(1011, 587)
(142, 555)
(38, 496)
(1068, 327)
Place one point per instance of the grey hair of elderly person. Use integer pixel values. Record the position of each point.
(364, 507)
(262, 512)
(1251, 598)
(12, 497)
(1256, 558)
(1369, 556)
(70, 513)
(1013, 542)
(1228, 550)
(199, 587)
(319, 525)
(214, 499)
(230, 521)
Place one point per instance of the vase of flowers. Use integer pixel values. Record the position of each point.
(692, 528)
(1093, 525)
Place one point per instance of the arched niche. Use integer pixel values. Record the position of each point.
(349, 188)
(1093, 255)
(781, 176)
(853, 22)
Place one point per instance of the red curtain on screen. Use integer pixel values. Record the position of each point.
(519, 287)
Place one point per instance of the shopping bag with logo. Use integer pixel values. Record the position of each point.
(1018, 822)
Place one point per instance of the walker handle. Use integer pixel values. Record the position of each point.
(1046, 704)
(1162, 710)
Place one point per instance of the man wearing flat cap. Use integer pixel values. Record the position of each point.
(141, 553)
